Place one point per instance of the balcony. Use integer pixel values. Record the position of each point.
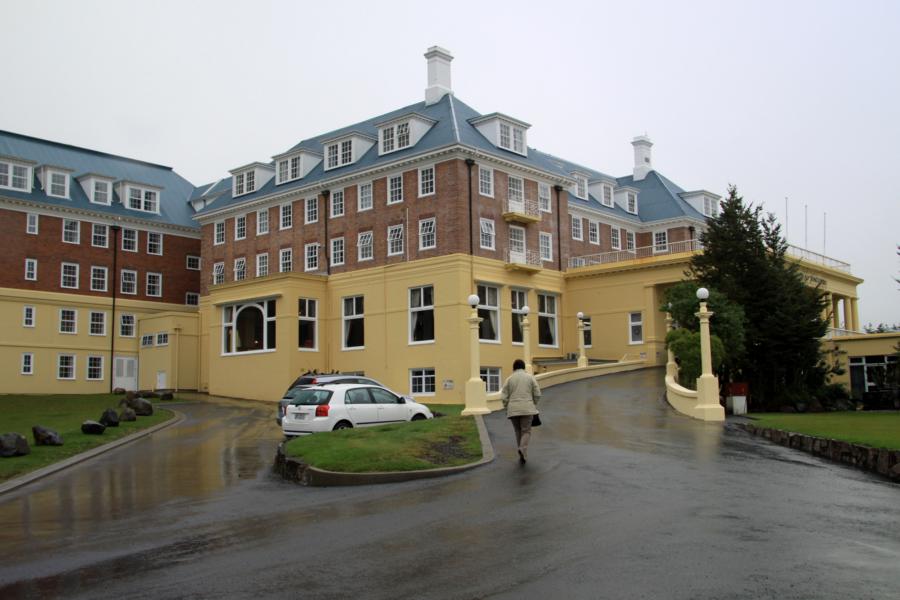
(605, 258)
(818, 259)
(528, 261)
(521, 210)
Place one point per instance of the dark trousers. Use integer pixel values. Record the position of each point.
(522, 425)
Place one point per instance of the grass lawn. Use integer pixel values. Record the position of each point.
(441, 442)
(64, 414)
(876, 429)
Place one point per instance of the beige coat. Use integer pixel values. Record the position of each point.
(520, 394)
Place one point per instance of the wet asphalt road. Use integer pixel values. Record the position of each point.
(622, 498)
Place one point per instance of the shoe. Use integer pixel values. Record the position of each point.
(522, 460)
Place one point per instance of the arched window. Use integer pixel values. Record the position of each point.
(248, 327)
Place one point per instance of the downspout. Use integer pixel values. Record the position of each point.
(326, 210)
(114, 280)
(471, 163)
(558, 189)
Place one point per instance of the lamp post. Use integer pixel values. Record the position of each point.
(707, 383)
(582, 357)
(476, 395)
(671, 366)
(526, 340)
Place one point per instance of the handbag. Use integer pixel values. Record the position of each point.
(536, 420)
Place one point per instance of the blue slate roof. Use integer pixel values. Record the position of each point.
(658, 198)
(176, 190)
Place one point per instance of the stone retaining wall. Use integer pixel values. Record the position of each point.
(877, 460)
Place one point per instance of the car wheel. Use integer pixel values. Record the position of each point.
(343, 425)
(418, 417)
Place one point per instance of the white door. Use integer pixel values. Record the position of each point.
(125, 374)
(162, 380)
(516, 244)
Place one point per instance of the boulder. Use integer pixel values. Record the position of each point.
(130, 395)
(147, 394)
(141, 407)
(166, 396)
(127, 414)
(895, 472)
(92, 428)
(110, 418)
(13, 444)
(46, 437)
(119, 391)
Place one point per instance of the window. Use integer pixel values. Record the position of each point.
(16, 177)
(354, 323)
(387, 140)
(69, 276)
(421, 314)
(427, 234)
(337, 203)
(27, 364)
(262, 264)
(262, 221)
(517, 252)
(126, 325)
(487, 234)
(129, 282)
(426, 181)
(68, 320)
(98, 279)
(395, 240)
(581, 187)
(31, 224)
(147, 341)
(339, 154)
(154, 243)
(710, 207)
(588, 338)
(219, 234)
(486, 182)
(130, 236)
(191, 298)
(547, 320)
(394, 137)
(98, 323)
(218, 273)
(285, 260)
(518, 140)
(337, 252)
(71, 231)
(288, 169)
(287, 216)
(251, 181)
(629, 240)
(154, 284)
(312, 256)
(364, 197)
(516, 190)
(238, 184)
(395, 189)
(593, 232)
(312, 210)
(518, 300)
(632, 203)
(193, 262)
(504, 136)
(491, 378)
(65, 366)
(489, 311)
(99, 235)
(546, 246)
(332, 156)
(240, 269)
(95, 368)
(248, 327)
(660, 241)
(607, 199)
(101, 193)
(614, 238)
(31, 269)
(240, 227)
(635, 328)
(576, 228)
(307, 313)
(162, 339)
(544, 197)
(58, 185)
(364, 246)
(28, 316)
(421, 382)
(346, 152)
(143, 199)
(512, 138)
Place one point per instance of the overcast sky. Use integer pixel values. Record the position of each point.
(797, 100)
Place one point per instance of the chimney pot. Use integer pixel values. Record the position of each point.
(439, 84)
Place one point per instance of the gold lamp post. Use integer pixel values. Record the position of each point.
(707, 383)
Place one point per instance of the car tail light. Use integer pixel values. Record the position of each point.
(315, 381)
(322, 410)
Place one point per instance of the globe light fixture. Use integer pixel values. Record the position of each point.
(580, 316)
(474, 300)
(525, 310)
(702, 294)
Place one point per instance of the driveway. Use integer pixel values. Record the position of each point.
(621, 498)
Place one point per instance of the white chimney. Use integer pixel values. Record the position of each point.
(438, 74)
(642, 164)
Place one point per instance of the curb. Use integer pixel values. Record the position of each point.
(24, 480)
(294, 470)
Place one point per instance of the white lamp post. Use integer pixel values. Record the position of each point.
(707, 383)
(582, 357)
(671, 366)
(526, 339)
(476, 394)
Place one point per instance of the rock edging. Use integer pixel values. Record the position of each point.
(882, 461)
(296, 470)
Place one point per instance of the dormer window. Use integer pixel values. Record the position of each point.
(503, 131)
(395, 137)
(339, 154)
(143, 199)
(101, 193)
(404, 131)
(710, 207)
(58, 184)
(512, 138)
(14, 176)
(607, 199)
(581, 186)
(244, 183)
(288, 169)
(632, 203)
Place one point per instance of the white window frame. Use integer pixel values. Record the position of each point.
(147, 340)
(424, 376)
(132, 326)
(631, 204)
(32, 223)
(577, 228)
(286, 216)
(629, 241)
(239, 269)
(427, 181)
(101, 323)
(122, 274)
(262, 216)
(486, 181)
(188, 296)
(62, 275)
(99, 233)
(218, 273)
(262, 264)
(594, 232)
(94, 270)
(345, 318)
(197, 259)
(615, 238)
(365, 240)
(391, 189)
(631, 324)
(491, 308)
(76, 239)
(107, 191)
(26, 366)
(314, 302)
(660, 247)
(234, 310)
(515, 189)
(59, 366)
(240, 227)
(428, 230)
(146, 198)
(518, 299)
(8, 176)
(29, 316)
(150, 243)
(486, 228)
(364, 196)
(74, 321)
(390, 137)
(606, 195)
(148, 289)
(87, 373)
(311, 210)
(132, 245)
(422, 307)
(545, 197)
(218, 233)
(51, 184)
(338, 252)
(492, 378)
(285, 260)
(311, 257)
(162, 338)
(588, 332)
(336, 204)
(548, 237)
(31, 269)
(393, 237)
(548, 315)
(581, 187)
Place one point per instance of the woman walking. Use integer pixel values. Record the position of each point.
(520, 396)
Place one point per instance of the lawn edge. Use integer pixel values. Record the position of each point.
(296, 470)
(23, 480)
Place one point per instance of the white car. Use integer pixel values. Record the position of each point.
(342, 406)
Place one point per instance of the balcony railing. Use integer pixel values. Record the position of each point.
(529, 259)
(522, 209)
(816, 258)
(605, 258)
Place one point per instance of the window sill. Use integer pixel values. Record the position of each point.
(315, 349)
(353, 349)
(422, 343)
(496, 342)
(228, 354)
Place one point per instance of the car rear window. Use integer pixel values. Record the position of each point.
(308, 397)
